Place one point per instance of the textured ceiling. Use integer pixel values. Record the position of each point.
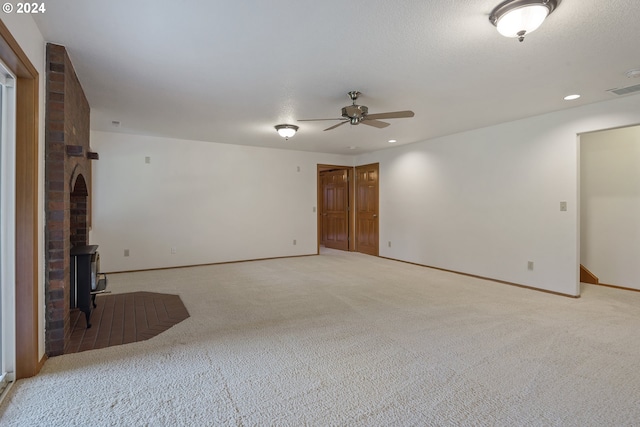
(228, 71)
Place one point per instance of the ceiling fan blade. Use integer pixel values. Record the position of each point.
(375, 123)
(317, 120)
(391, 115)
(339, 124)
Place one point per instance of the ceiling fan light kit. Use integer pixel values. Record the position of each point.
(286, 131)
(517, 18)
(356, 114)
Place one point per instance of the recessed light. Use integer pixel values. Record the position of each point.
(352, 147)
(633, 73)
(392, 141)
(571, 97)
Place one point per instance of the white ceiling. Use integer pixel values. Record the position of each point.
(228, 71)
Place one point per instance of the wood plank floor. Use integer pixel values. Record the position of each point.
(125, 318)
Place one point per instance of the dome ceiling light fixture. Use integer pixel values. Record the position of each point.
(286, 131)
(632, 74)
(517, 18)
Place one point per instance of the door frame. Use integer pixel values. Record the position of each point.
(26, 249)
(350, 171)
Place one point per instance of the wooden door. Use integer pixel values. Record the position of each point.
(335, 209)
(367, 209)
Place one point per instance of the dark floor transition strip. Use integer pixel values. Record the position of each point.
(125, 318)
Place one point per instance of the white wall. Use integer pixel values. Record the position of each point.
(30, 40)
(486, 202)
(211, 202)
(483, 202)
(610, 205)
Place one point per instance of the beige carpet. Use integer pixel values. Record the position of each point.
(345, 339)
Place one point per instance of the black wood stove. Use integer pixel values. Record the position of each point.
(86, 279)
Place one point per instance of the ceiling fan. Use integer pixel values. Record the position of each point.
(356, 114)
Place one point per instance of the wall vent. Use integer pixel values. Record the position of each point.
(625, 90)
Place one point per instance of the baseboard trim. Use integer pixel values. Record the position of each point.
(41, 362)
(391, 259)
(206, 264)
(5, 388)
(587, 276)
(487, 278)
(617, 287)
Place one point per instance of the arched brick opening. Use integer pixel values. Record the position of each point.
(78, 212)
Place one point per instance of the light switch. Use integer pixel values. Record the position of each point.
(563, 206)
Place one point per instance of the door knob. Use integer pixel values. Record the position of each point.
(375, 215)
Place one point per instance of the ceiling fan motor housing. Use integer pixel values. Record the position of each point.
(355, 113)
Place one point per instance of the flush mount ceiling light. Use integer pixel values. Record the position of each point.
(516, 18)
(571, 97)
(632, 74)
(286, 131)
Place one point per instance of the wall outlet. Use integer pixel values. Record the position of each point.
(126, 252)
(298, 169)
(147, 159)
(530, 265)
(174, 250)
(295, 242)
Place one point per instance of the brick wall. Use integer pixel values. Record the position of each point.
(67, 168)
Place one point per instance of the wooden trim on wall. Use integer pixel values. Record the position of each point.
(475, 276)
(209, 264)
(27, 361)
(624, 288)
(587, 277)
